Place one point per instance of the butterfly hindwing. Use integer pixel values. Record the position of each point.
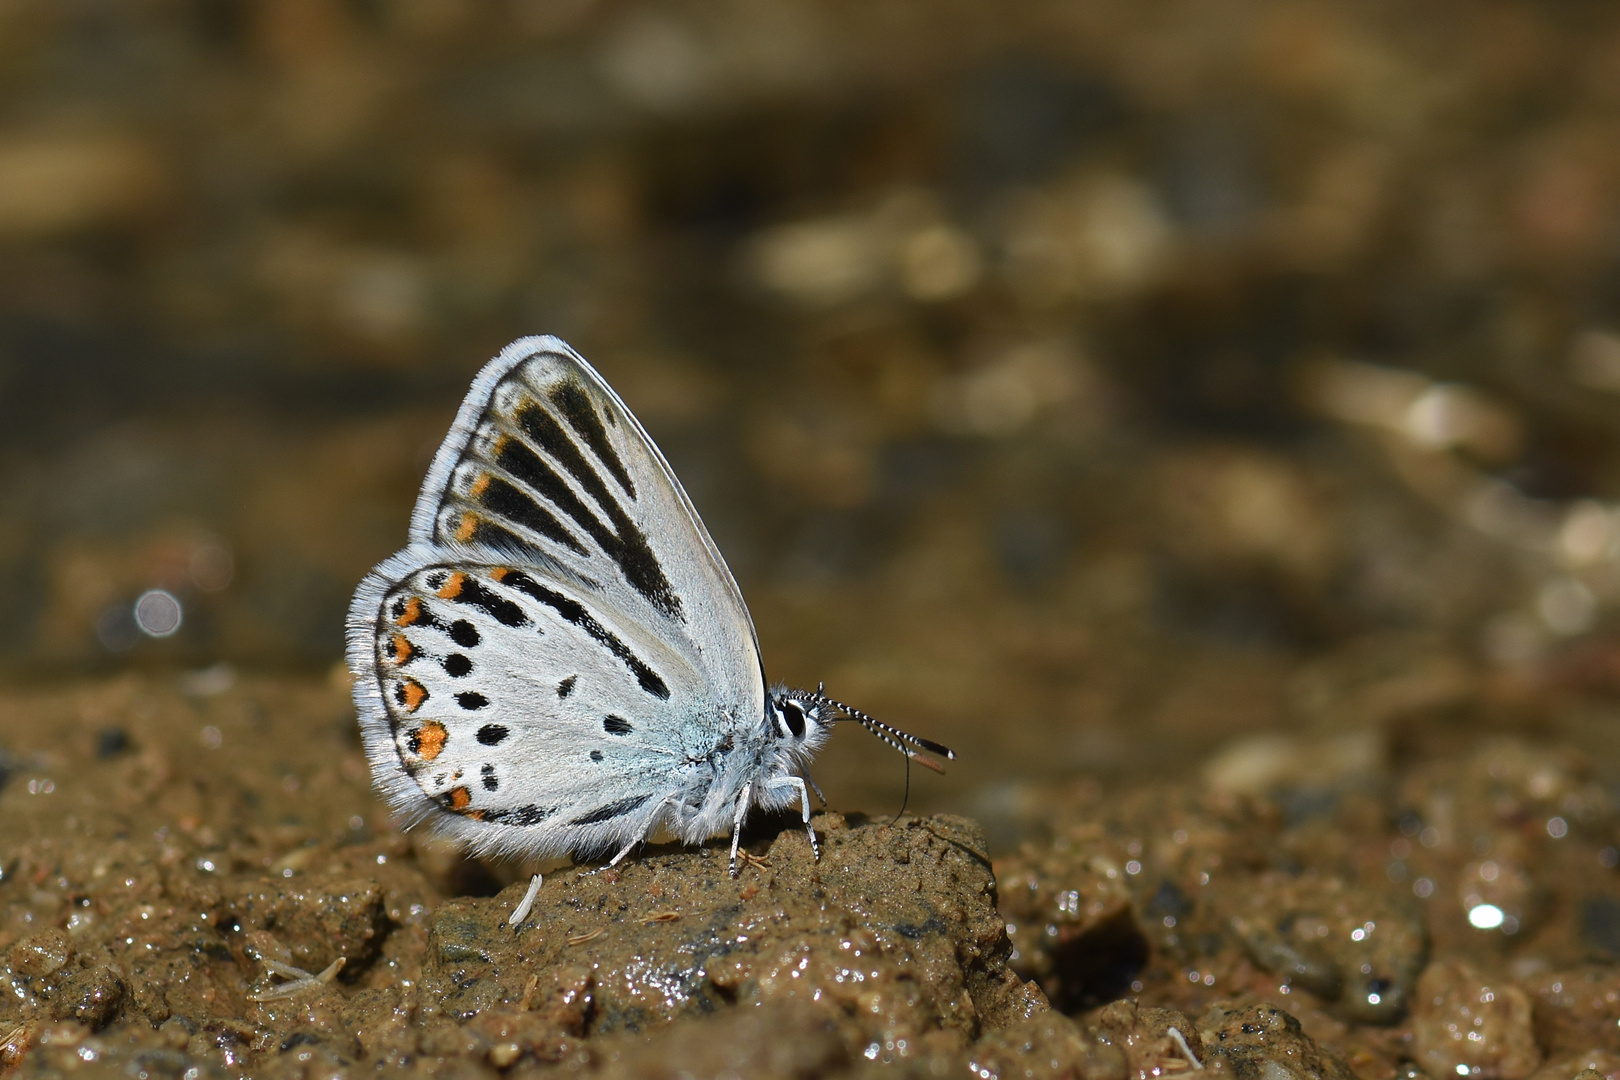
(512, 703)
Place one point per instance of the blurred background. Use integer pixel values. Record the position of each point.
(1104, 388)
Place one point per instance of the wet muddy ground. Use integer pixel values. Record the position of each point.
(198, 882)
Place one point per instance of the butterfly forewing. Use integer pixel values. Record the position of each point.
(546, 463)
(561, 632)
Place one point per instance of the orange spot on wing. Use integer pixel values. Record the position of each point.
(412, 694)
(412, 612)
(452, 588)
(402, 649)
(468, 526)
(480, 485)
(476, 815)
(499, 573)
(460, 798)
(430, 739)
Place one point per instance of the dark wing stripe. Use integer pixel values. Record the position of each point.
(516, 506)
(575, 405)
(529, 469)
(574, 612)
(626, 544)
(523, 815)
(611, 810)
(497, 607)
(488, 534)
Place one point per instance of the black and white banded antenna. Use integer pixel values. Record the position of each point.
(902, 741)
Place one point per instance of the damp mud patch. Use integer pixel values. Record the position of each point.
(216, 892)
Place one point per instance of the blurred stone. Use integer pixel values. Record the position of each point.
(1261, 764)
(1591, 1065)
(58, 183)
(1566, 605)
(903, 241)
(92, 996)
(1594, 360)
(1348, 946)
(1047, 1046)
(658, 61)
(1461, 1020)
(1439, 416)
(1018, 386)
(819, 262)
(1268, 1041)
(1225, 505)
(938, 263)
(1096, 236)
(44, 953)
(1447, 416)
(1577, 1009)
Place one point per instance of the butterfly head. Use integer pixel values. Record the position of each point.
(796, 720)
(802, 720)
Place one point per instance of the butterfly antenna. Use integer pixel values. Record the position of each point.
(904, 742)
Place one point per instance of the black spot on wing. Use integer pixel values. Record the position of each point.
(596, 755)
(523, 815)
(471, 699)
(491, 734)
(464, 633)
(457, 665)
(575, 404)
(487, 778)
(611, 810)
(566, 687)
(515, 505)
(498, 607)
(574, 612)
(616, 725)
(624, 543)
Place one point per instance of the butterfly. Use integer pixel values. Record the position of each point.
(559, 662)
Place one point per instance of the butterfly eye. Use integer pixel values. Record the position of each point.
(794, 717)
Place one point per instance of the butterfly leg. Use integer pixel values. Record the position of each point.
(736, 828)
(815, 787)
(804, 803)
(652, 821)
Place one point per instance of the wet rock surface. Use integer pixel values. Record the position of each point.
(896, 925)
